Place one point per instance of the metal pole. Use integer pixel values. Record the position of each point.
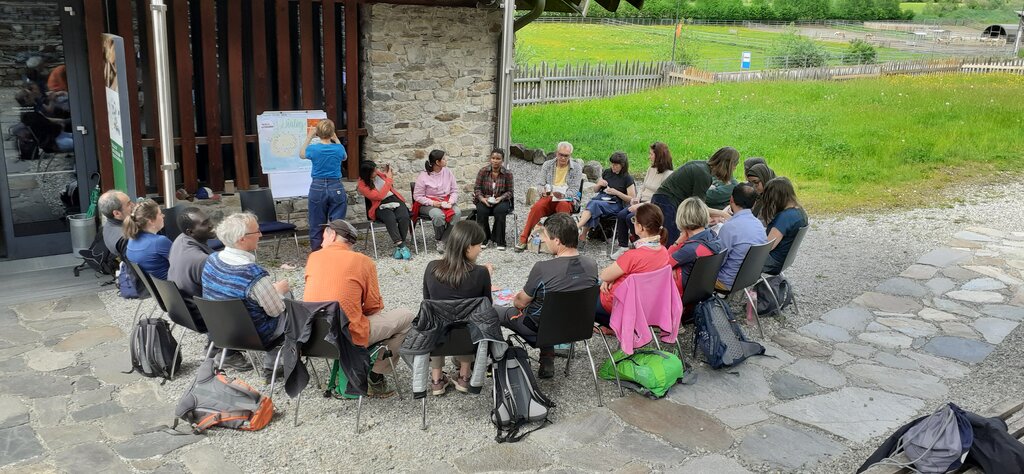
(508, 64)
(163, 99)
(1020, 32)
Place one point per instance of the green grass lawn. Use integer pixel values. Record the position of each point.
(854, 145)
(715, 48)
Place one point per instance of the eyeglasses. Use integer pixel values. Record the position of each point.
(563, 155)
(254, 232)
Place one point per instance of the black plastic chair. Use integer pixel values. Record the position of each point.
(230, 327)
(147, 283)
(318, 347)
(176, 308)
(458, 343)
(567, 317)
(790, 257)
(748, 275)
(261, 203)
(700, 285)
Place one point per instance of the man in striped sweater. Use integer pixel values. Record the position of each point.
(234, 274)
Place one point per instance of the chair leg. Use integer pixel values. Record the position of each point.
(654, 337)
(373, 238)
(757, 318)
(273, 373)
(277, 246)
(611, 243)
(312, 368)
(177, 350)
(795, 307)
(593, 369)
(608, 348)
(298, 403)
(223, 354)
(423, 424)
(298, 250)
(252, 361)
(359, 412)
(568, 359)
(394, 378)
(775, 298)
(209, 350)
(423, 233)
(412, 233)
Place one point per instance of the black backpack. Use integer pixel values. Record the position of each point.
(780, 286)
(24, 140)
(517, 397)
(719, 337)
(153, 349)
(98, 257)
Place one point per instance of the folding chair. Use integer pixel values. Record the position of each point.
(177, 310)
(790, 257)
(566, 318)
(230, 327)
(511, 213)
(261, 203)
(748, 276)
(415, 220)
(318, 347)
(458, 343)
(148, 284)
(373, 231)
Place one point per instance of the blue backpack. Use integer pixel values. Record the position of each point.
(128, 284)
(719, 337)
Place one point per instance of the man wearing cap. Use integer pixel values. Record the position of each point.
(337, 273)
(234, 274)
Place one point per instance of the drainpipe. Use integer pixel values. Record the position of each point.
(508, 66)
(163, 99)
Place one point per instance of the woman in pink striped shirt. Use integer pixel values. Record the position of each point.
(435, 195)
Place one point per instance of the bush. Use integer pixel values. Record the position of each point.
(794, 51)
(860, 52)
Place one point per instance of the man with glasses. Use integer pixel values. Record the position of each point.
(560, 189)
(234, 274)
(115, 206)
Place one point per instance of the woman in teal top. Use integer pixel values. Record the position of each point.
(327, 198)
(785, 218)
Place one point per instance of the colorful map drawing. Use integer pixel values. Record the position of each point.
(281, 135)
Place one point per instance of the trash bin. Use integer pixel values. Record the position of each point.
(83, 231)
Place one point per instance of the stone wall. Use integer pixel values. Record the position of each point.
(430, 80)
(27, 28)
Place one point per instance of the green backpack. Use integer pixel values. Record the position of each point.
(648, 372)
(339, 381)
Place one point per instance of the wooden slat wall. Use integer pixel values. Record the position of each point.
(101, 127)
(124, 30)
(256, 68)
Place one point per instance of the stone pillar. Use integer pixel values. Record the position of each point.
(430, 80)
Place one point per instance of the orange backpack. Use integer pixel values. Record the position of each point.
(216, 400)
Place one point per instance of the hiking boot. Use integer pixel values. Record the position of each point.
(398, 254)
(266, 374)
(439, 387)
(378, 389)
(406, 254)
(238, 362)
(547, 367)
(520, 247)
(462, 384)
(440, 246)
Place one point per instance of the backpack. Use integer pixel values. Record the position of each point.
(648, 372)
(98, 257)
(719, 337)
(783, 291)
(936, 443)
(129, 285)
(25, 141)
(153, 349)
(517, 397)
(213, 399)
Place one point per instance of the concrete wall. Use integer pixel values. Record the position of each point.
(430, 80)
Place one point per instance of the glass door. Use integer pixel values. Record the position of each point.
(44, 176)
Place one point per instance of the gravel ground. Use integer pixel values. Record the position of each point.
(841, 257)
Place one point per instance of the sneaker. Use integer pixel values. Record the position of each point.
(462, 384)
(519, 248)
(440, 246)
(483, 245)
(238, 362)
(547, 367)
(406, 254)
(501, 247)
(439, 387)
(378, 389)
(618, 253)
(398, 254)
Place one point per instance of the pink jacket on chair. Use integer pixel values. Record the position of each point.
(644, 300)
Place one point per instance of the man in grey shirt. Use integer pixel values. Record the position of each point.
(567, 271)
(188, 257)
(115, 206)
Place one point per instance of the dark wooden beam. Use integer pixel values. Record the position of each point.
(186, 106)
(306, 29)
(330, 63)
(228, 139)
(124, 29)
(236, 83)
(93, 18)
(352, 98)
(260, 82)
(211, 94)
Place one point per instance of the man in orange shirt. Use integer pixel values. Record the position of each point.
(337, 273)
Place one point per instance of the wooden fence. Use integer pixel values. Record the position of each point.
(544, 83)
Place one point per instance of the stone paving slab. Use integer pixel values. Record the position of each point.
(700, 431)
(964, 350)
(857, 414)
(788, 447)
(714, 463)
(716, 389)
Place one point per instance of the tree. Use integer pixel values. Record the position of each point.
(793, 51)
(860, 52)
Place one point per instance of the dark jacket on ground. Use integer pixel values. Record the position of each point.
(355, 360)
(993, 450)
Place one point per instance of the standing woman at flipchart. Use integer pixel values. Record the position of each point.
(327, 198)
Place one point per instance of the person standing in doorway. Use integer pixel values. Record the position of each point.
(327, 198)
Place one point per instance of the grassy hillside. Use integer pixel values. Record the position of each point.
(848, 145)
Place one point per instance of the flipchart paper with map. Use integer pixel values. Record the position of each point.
(281, 135)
